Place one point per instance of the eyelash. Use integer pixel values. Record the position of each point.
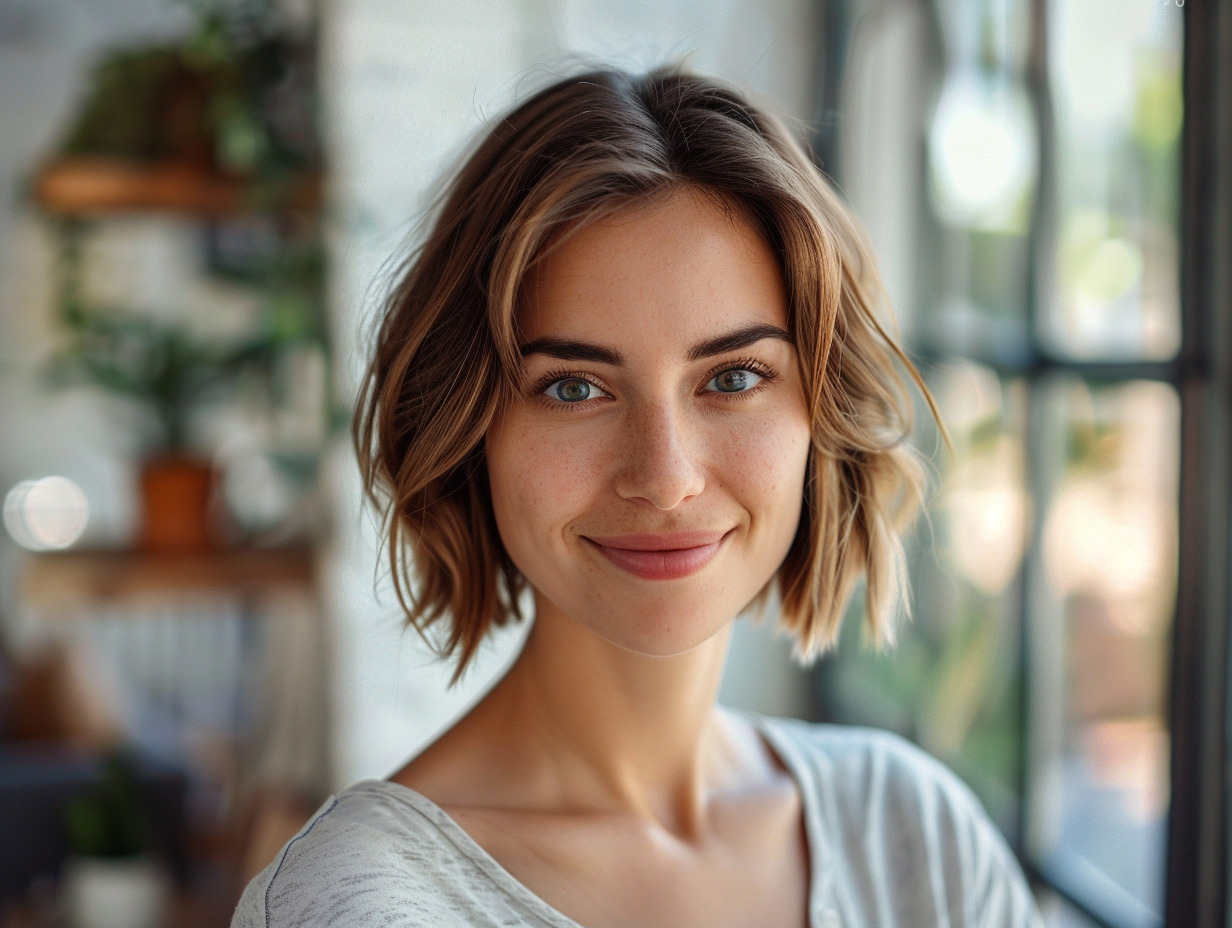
(767, 374)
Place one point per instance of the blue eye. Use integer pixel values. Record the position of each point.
(737, 379)
(565, 390)
(572, 390)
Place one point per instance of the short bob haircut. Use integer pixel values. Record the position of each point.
(446, 355)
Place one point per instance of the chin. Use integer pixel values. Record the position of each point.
(663, 637)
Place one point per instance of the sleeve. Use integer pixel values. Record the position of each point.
(999, 896)
(905, 842)
(973, 852)
(260, 896)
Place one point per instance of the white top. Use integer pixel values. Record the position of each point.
(895, 839)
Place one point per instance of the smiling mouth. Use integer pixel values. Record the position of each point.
(663, 564)
(667, 541)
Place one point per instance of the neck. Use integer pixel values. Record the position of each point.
(589, 725)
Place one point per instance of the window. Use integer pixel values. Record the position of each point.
(1068, 656)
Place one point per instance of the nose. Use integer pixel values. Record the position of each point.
(659, 458)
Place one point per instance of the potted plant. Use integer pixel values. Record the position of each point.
(221, 126)
(111, 880)
(220, 121)
(170, 373)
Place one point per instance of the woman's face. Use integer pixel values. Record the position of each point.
(640, 420)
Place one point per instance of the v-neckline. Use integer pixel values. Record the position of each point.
(779, 745)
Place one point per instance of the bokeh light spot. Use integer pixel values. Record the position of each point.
(46, 514)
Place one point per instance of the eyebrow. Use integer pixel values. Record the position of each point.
(568, 350)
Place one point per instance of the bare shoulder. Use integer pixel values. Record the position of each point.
(448, 772)
(477, 762)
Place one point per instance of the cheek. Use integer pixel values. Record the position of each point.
(768, 460)
(536, 478)
(775, 500)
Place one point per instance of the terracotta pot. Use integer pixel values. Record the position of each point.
(176, 501)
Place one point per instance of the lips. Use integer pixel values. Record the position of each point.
(683, 554)
(672, 541)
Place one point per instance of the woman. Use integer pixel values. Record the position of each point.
(636, 370)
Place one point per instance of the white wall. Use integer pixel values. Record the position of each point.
(408, 83)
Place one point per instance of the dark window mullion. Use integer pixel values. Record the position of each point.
(1038, 280)
(1197, 827)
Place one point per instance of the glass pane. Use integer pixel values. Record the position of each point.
(1060, 914)
(982, 173)
(952, 680)
(1115, 71)
(1101, 622)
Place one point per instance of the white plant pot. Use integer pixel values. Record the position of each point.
(120, 892)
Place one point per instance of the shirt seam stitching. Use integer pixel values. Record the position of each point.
(287, 850)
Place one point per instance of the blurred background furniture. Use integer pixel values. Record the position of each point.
(37, 784)
(210, 663)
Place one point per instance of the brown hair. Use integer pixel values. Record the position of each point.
(446, 357)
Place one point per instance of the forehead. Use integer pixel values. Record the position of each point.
(676, 270)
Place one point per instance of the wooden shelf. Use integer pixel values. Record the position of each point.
(87, 186)
(61, 579)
